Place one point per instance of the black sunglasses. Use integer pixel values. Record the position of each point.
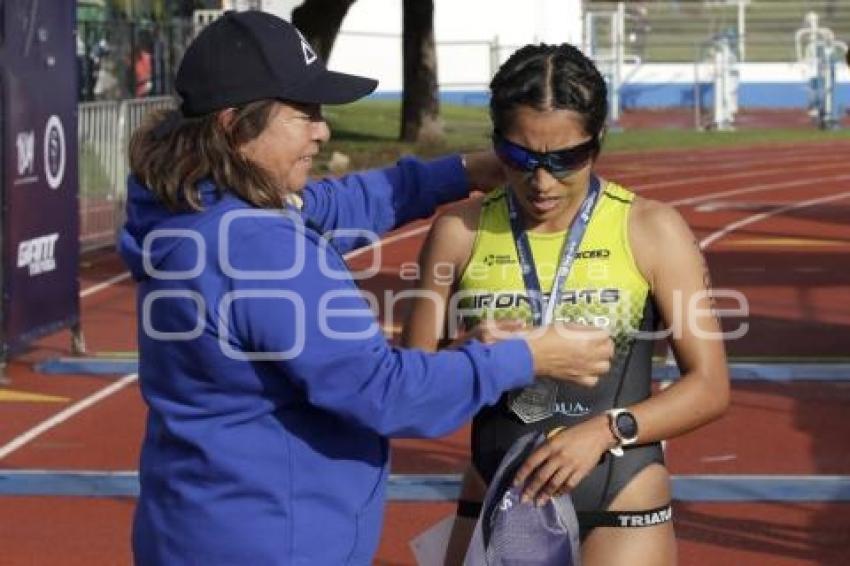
(559, 163)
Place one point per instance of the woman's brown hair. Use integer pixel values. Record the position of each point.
(172, 158)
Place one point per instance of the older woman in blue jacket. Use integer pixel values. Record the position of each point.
(271, 391)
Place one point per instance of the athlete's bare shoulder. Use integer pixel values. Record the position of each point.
(463, 216)
(652, 218)
(654, 229)
(452, 234)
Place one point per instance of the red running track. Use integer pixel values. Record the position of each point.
(776, 225)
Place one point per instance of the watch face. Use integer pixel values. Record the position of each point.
(627, 425)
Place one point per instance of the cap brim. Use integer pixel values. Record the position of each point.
(331, 87)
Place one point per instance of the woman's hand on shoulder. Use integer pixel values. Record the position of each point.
(484, 170)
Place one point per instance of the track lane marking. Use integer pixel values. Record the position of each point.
(690, 201)
(752, 219)
(446, 487)
(685, 181)
(401, 235)
(97, 288)
(66, 414)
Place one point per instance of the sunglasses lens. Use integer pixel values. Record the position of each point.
(562, 163)
(515, 156)
(560, 173)
(559, 164)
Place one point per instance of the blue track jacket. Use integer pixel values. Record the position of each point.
(270, 387)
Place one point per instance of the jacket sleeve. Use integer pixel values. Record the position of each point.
(379, 200)
(318, 330)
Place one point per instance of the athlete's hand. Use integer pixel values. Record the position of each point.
(571, 352)
(565, 459)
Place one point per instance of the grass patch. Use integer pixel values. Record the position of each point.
(367, 132)
(94, 178)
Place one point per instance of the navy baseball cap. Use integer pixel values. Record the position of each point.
(512, 533)
(246, 56)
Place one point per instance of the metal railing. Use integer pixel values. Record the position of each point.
(665, 31)
(104, 134)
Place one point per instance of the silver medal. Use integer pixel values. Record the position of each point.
(536, 402)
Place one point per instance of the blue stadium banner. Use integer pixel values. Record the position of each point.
(38, 170)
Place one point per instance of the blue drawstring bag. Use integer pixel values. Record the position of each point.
(512, 533)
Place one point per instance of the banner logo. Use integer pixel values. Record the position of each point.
(26, 152)
(38, 254)
(25, 146)
(54, 152)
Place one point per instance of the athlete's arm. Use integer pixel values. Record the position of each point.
(667, 254)
(449, 243)
(443, 257)
(667, 251)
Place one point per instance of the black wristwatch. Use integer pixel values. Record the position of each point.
(624, 427)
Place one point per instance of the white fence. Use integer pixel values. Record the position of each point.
(104, 134)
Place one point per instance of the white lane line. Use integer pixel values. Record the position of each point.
(729, 228)
(66, 414)
(104, 284)
(404, 234)
(719, 458)
(689, 180)
(756, 189)
(736, 206)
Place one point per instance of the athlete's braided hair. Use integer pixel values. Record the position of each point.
(547, 77)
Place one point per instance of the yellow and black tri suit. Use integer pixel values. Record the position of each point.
(604, 288)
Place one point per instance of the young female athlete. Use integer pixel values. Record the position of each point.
(559, 243)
